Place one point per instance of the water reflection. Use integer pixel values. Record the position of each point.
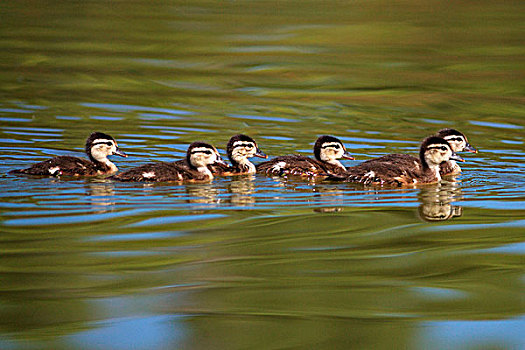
(372, 275)
(328, 209)
(205, 193)
(437, 202)
(241, 189)
(439, 211)
(328, 199)
(101, 194)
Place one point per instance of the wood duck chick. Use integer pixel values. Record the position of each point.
(98, 147)
(195, 167)
(459, 143)
(327, 151)
(434, 150)
(239, 149)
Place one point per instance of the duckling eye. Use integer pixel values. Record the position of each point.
(249, 146)
(443, 148)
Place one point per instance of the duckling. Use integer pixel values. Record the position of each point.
(434, 150)
(194, 168)
(327, 151)
(98, 147)
(459, 143)
(239, 149)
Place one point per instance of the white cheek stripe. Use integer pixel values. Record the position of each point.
(202, 149)
(331, 144)
(204, 158)
(104, 140)
(243, 143)
(453, 137)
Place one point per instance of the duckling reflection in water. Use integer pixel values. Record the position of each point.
(101, 194)
(328, 210)
(204, 193)
(436, 202)
(439, 211)
(241, 189)
(327, 199)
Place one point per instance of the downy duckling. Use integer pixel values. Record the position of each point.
(98, 147)
(458, 143)
(239, 149)
(193, 169)
(327, 151)
(434, 150)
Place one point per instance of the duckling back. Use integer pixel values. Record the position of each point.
(295, 165)
(61, 165)
(160, 172)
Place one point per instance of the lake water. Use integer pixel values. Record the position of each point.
(257, 262)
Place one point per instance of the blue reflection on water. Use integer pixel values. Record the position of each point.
(153, 332)
(516, 223)
(496, 125)
(494, 334)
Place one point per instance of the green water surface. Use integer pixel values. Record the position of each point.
(253, 262)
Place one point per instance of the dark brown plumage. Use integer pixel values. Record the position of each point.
(458, 143)
(401, 169)
(192, 169)
(98, 147)
(239, 149)
(327, 151)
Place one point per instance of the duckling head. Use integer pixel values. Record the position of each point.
(99, 146)
(436, 150)
(241, 147)
(457, 140)
(329, 149)
(201, 154)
